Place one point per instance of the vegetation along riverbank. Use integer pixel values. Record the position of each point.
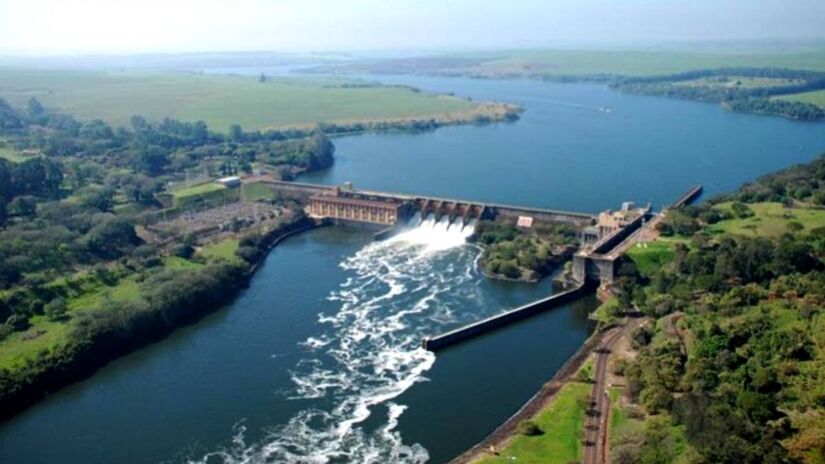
(110, 238)
(269, 105)
(729, 363)
(787, 84)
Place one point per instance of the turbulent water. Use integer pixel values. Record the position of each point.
(369, 352)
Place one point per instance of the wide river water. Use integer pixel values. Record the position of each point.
(318, 360)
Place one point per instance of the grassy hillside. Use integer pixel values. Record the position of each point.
(220, 101)
(769, 219)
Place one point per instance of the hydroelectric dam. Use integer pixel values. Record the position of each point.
(603, 238)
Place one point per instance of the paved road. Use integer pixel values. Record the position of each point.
(595, 427)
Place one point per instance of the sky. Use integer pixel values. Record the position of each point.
(164, 26)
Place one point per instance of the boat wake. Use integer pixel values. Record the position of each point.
(368, 352)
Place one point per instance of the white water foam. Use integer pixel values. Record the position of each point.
(369, 353)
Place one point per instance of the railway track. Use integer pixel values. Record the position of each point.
(595, 428)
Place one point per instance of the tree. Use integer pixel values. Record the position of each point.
(56, 309)
(96, 197)
(24, 206)
(111, 238)
(35, 108)
(262, 78)
(236, 133)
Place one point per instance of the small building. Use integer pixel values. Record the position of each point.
(590, 235)
(525, 222)
(611, 221)
(229, 182)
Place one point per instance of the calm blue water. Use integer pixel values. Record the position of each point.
(319, 358)
(566, 154)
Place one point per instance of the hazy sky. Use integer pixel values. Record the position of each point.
(105, 26)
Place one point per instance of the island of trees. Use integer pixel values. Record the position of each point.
(514, 253)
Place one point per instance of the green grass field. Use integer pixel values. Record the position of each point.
(816, 97)
(602, 314)
(224, 249)
(198, 189)
(11, 154)
(636, 63)
(650, 257)
(769, 220)
(44, 334)
(255, 192)
(563, 426)
(220, 101)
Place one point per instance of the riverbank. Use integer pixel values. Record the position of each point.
(548, 393)
(274, 104)
(108, 334)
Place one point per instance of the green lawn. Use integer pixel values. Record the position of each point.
(563, 427)
(620, 423)
(224, 249)
(816, 97)
(769, 220)
(255, 192)
(220, 101)
(45, 334)
(651, 256)
(602, 313)
(199, 189)
(11, 154)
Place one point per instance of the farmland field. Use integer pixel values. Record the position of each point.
(221, 101)
(816, 97)
(559, 62)
(636, 63)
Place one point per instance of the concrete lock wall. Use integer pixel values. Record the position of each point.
(492, 323)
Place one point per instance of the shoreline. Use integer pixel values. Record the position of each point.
(612, 81)
(541, 399)
(60, 373)
(486, 112)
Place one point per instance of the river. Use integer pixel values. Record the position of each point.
(318, 359)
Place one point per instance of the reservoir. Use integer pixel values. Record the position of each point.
(319, 360)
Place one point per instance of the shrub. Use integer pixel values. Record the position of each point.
(56, 309)
(530, 429)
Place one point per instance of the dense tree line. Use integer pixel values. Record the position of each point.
(752, 99)
(159, 148)
(168, 299)
(738, 356)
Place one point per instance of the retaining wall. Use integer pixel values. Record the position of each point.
(498, 321)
